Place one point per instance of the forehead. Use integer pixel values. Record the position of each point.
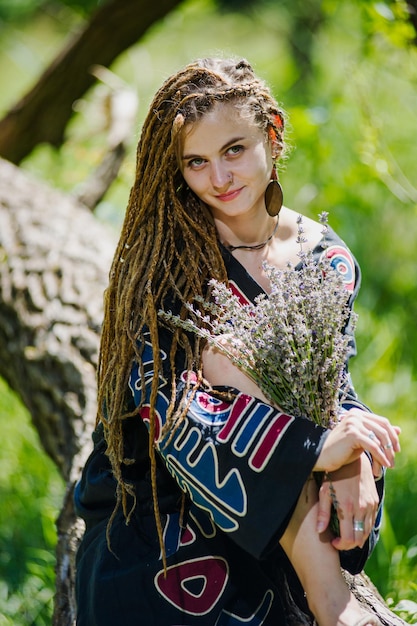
(223, 122)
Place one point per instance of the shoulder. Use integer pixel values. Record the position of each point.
(330, 245)
(289, 226)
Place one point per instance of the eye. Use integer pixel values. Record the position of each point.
(234, 150)
(195, 164)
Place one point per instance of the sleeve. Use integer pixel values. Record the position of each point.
(95, 492)
(345, 263)
(241, 461)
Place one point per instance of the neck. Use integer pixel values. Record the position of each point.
(255, 246)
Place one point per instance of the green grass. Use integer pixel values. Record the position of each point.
(30, 494)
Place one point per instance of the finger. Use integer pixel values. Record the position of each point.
(378, 437)
(381, 423)
(361, 529)
(386, 432)
(377, 469)
(346, 540)
(369, 441)
(353, 533)
(370, 522)
(324, 507)
(364, 432)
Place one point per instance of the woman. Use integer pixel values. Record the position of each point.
(197, 498)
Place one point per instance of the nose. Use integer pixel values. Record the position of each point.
(221, 177)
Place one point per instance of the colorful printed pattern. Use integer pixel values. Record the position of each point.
(195, 585)
(251, 429)
(342, 261)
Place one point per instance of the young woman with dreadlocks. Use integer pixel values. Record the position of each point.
(197, 497)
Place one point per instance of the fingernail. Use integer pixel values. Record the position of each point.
(320, 527)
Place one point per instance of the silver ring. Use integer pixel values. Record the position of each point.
(358, 526)
(388, 446)
(371, 435)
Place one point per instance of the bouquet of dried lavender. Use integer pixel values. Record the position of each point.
(290, 342)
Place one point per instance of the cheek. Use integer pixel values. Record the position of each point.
(263, 159)
(193, 180)
(186, 176)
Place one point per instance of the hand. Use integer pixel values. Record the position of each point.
(354, 490)
(357, 431)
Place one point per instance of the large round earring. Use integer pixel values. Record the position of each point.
(273, 195)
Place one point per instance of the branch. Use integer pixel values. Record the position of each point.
(121, 110)
(43, 113)
(412, 13)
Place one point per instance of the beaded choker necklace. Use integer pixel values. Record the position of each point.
(256, 246)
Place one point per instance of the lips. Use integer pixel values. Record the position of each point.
(230, 195)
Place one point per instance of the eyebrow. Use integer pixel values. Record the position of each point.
(186, 157)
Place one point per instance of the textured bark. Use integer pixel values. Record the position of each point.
(43, 113)
(54, 261)
(55, 257)
(369, 596)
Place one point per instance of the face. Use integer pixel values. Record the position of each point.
(227, 162)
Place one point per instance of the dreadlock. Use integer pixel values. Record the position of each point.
(168, 242)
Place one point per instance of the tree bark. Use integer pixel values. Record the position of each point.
(369, 596)
(43, 113)
(54, 261)
(55, 257)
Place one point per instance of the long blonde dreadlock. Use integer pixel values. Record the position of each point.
(168, 241)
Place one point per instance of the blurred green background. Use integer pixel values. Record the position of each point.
(346, 73)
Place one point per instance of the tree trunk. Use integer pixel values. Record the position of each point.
(369, 597)
(43, 113)
(55, 256)
(54, 269)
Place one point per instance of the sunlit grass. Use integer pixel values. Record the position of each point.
(30, 494)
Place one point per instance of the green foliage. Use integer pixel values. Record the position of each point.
(24, 10)
(351, 100)
(15, 9)
(30, 494)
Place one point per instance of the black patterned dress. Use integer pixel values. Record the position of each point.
(242, 465)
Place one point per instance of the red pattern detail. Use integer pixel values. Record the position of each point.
(234, 288)
(212, 575)
(188, 537)
(210, 404)
(238, 408)
(145, 415)
(270, 440)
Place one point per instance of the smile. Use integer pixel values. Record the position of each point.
(230, 195)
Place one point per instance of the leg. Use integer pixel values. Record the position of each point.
(317, 565)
